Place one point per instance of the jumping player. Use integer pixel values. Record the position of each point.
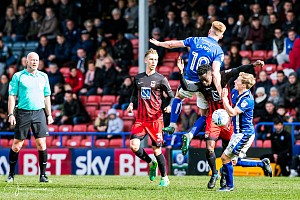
(203, 50)
(148, 90)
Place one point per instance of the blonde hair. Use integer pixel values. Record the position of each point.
(218, 28)
(150, 51)
(247, 79)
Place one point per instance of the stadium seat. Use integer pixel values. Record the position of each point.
(259, 55)
(65, 71)
(65, 128)
(133, 71)
(171, 55)
(269, 54)
(105, 108)
(259, 143)
(135, 54)
(91, 128)
(270, 68)
(79, 128)
(127, 142)
(83, 99)
(91, 109)
(74, 141)
(219, 144)
(279, 67)
(101, 143)
(87, 142)
(115, 143)
(195, 107)
(203, 144)
(193, 100)
(165, 70)
(52, 128)
(93, 100)
(245, 53)
(4, 142)
(56, 113)
(56, 141)
(128, 125)
(49, 141)
(195, 143)
(129, 116)
(120, 113)
(175, 69)
(267, 144)
(168, 63)
(108, 100)
(174, 84)
(18, 46)
(297, 142)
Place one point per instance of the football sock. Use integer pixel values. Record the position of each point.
(211, 159)
(249, 163)
(13, 158)
(175, 110)
(43, 157)
(141, 153)
(161, 162)
(198, 126)
(228, 173)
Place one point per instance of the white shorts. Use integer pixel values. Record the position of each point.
(201, 101)
(239, 145)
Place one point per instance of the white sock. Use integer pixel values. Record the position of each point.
(189, 135)
(172, 124)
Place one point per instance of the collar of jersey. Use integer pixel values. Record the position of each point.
(212, 38)
(30, 74)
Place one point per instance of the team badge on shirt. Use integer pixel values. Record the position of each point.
(152, 83)
(244, 104)
(146, 92)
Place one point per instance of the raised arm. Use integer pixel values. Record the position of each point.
(217, 76)
(168, 44)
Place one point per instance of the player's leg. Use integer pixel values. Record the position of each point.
(198, 125)
(40, 131)
(211, 159)
(22, 129)
(227, 170)
(245, 142)
(156, 136)
(137, 134)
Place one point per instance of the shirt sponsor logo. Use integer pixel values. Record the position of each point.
(145, 92)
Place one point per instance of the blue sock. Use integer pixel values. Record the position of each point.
(228, 173)
(249, 163)
(198, 125)
(175, 110)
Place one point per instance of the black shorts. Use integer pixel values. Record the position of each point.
(30, 119)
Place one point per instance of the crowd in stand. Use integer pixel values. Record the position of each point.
(94, 40)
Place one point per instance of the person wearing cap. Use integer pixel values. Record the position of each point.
(292, 92)
(85, 43)
(115, 123)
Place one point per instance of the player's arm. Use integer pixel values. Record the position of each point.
(188, 87)
(216, 65)
(48, 109)
(169, 92)
(230, 110)
(11, 107)
(243, 68)
(168, 44)
(133, 98)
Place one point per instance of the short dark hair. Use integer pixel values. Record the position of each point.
(278, 120)
(280, 72)
(203, 69)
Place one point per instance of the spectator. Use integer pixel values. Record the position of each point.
(240, 31)
(264, 132)
(54, 76)
(227, 36)
(281, 147)
(255, 12)
(131, 15)
(57, 97)
(290, 22)
(41, 6)
(49, 27)
(125, 93)
(4, 56)
(277, 45)
(62, 51)
(109, 75)
(264, 82)
(93, 80)
(72, 33)
(101, 123)
(44, 49)
(115, 124)
(188, 118)
(201, 27)
(287, 46)
(185, 28)
(81, 60)
(266, 19)
(274, 96)
(67, 10)
(260, 101)
(4, 89)
(270, 29)
(160, 50)
(295, 166)
(211, 12)
(105, 43)
(101, 54)
(89, 27)
(85, 43)
(55, 4)
(226, 62)
(22, 65)
(235, 57)
(76, 79)
(34, 26)
(255, 41)
(21, 25)
(294, 58)
(7, 25)
(115, 25)
(73, 112)
(170, 25)
(292, 92)
(123, 51)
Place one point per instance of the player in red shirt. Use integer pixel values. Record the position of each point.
(208, 89)
(148, 91)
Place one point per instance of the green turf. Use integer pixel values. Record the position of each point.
(139, 187)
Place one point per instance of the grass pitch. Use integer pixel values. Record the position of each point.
(139, 187)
